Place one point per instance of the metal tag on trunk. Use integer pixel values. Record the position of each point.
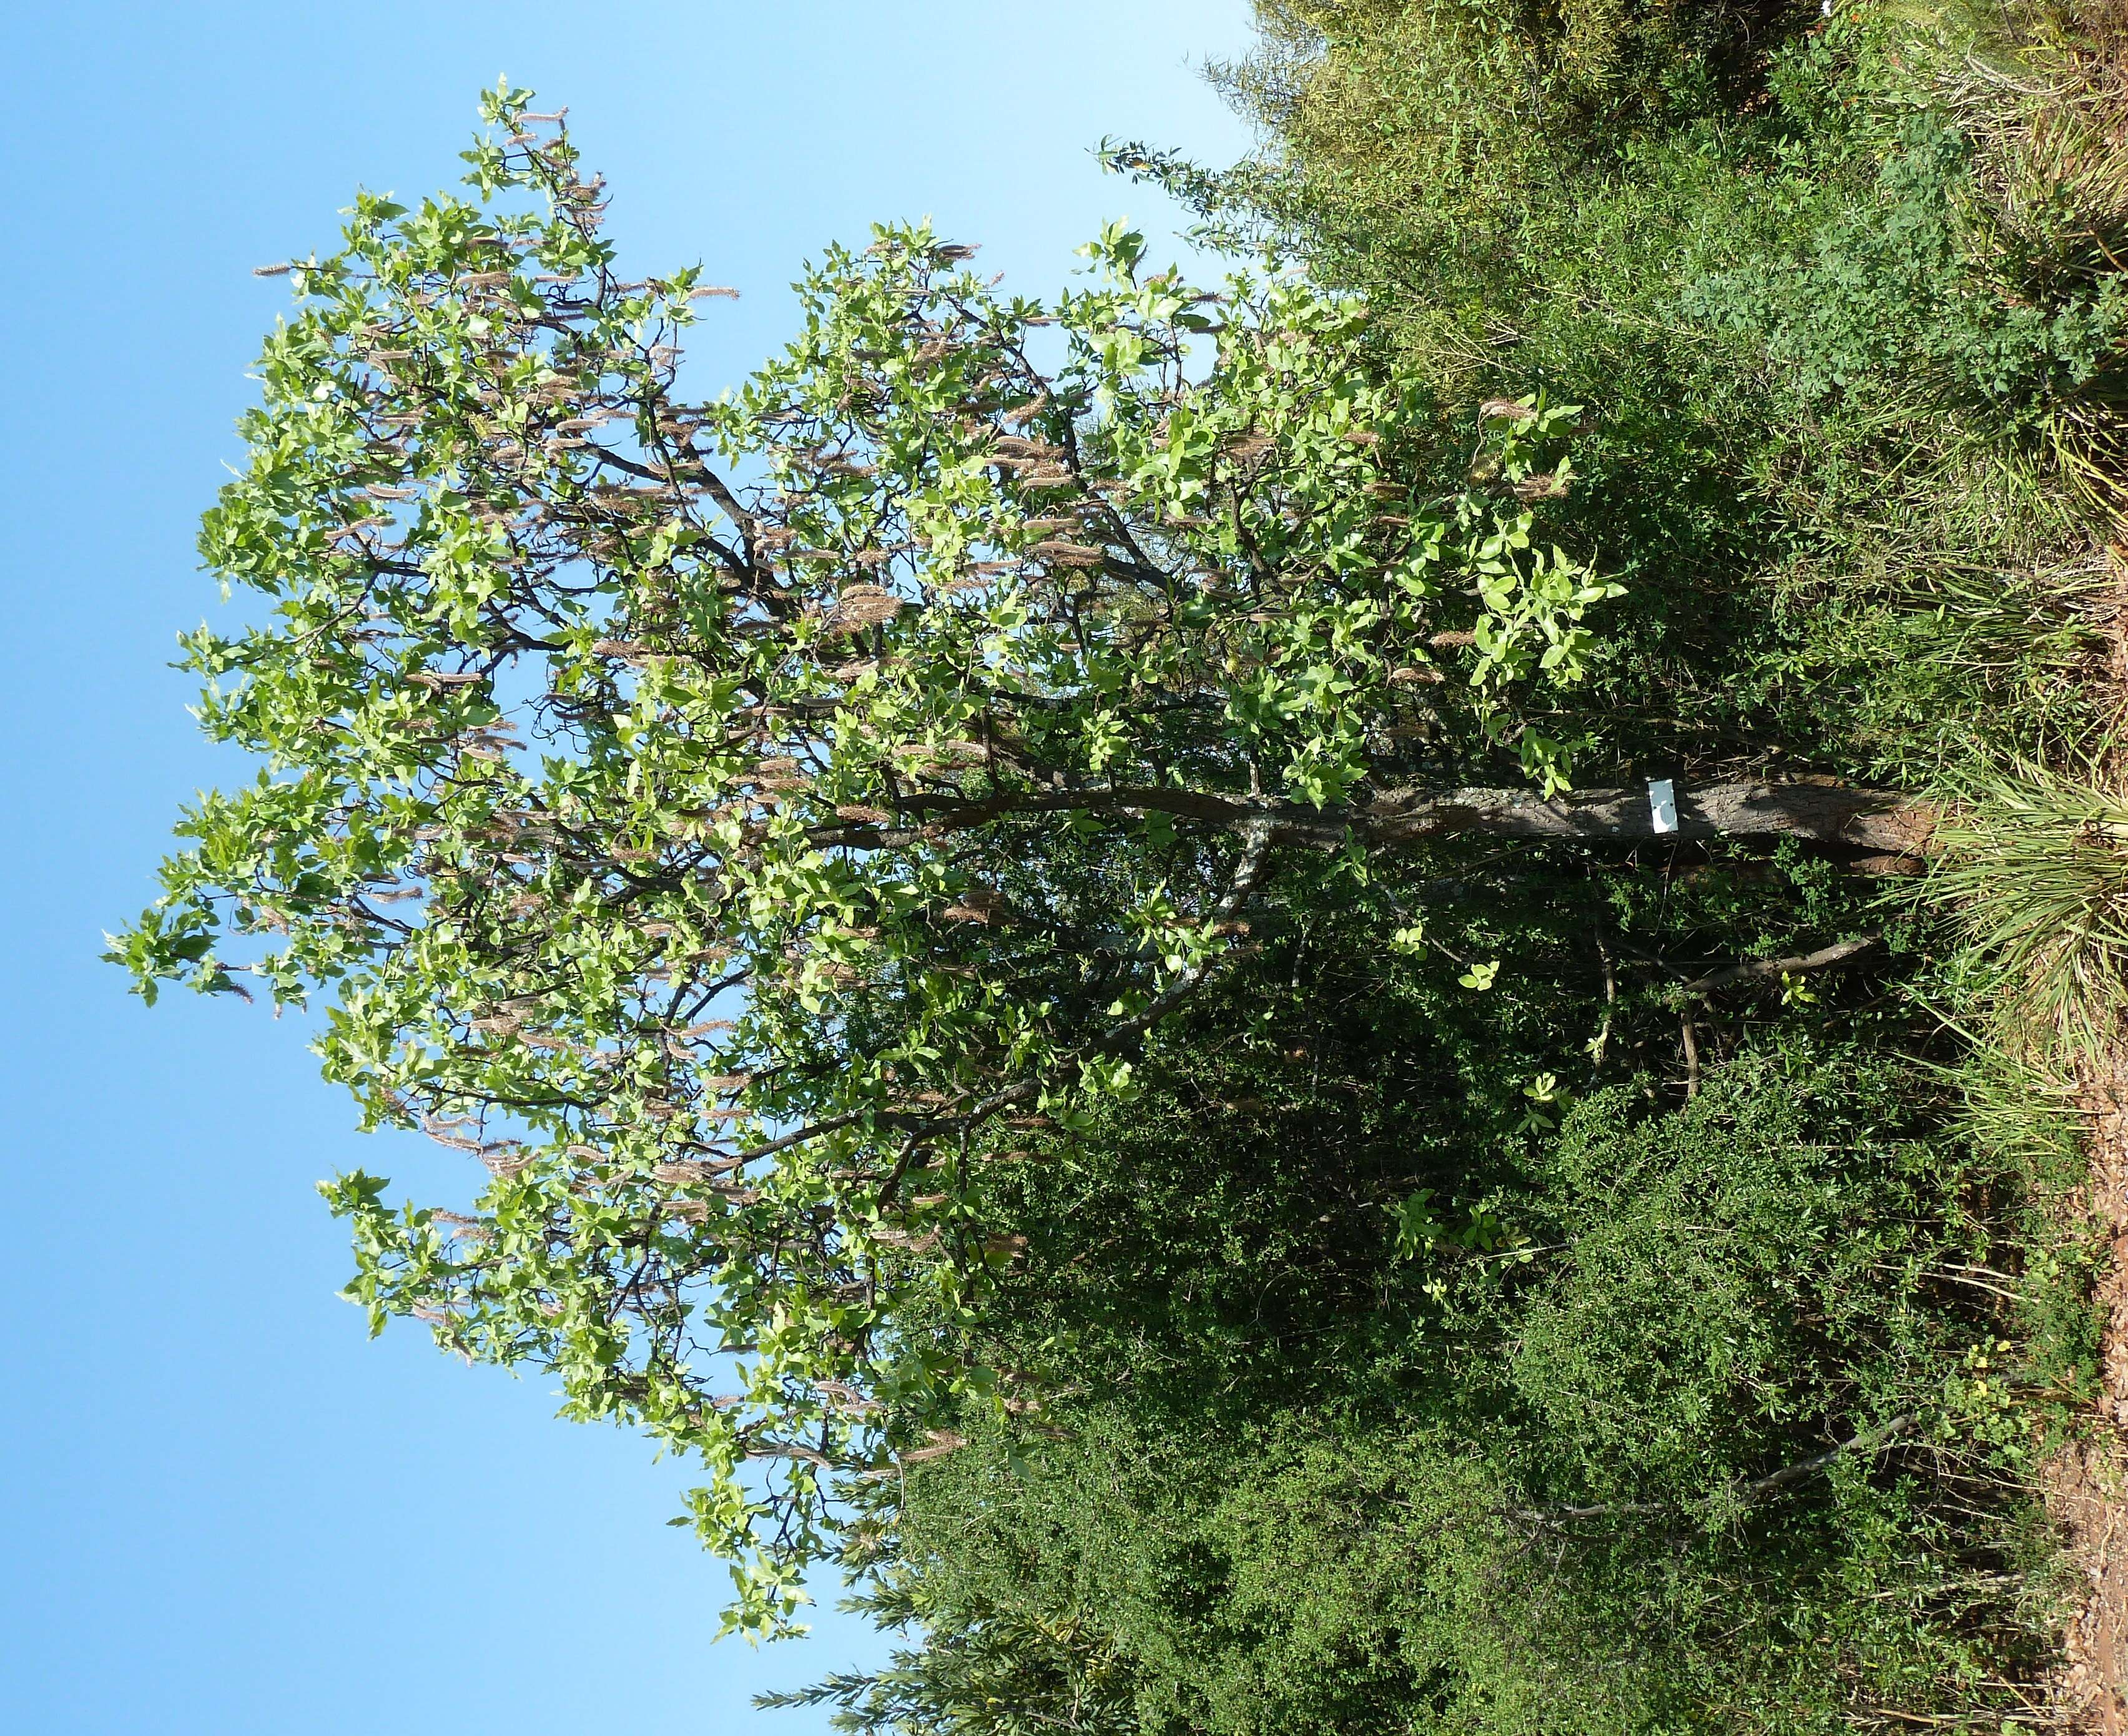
(1662, 804)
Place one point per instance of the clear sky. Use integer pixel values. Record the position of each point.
(221, 1509)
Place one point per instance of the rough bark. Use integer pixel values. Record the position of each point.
(1873, 822)
(1886, 832)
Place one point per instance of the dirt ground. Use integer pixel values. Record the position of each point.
(2086, 1485)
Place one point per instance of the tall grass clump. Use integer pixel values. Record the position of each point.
(2042, 89)
(2037, 867)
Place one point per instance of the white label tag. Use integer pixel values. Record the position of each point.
(1662, 804)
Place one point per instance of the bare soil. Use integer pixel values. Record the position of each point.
(2086, 1485)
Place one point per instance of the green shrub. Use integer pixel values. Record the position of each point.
(1531, 1506)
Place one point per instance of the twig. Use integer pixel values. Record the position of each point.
(1749, 1494)
(1869, 1442)
(1760, 968)
(1603, 1040)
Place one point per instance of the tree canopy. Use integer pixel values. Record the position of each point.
(740, 824)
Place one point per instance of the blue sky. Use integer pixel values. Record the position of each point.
(225, 1510)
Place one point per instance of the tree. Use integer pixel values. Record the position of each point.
(735, 822)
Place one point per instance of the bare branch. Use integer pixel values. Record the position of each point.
(1751, 1494)
(1757, 970)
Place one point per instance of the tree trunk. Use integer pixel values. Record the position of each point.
(1871, 823)
(1882, 831)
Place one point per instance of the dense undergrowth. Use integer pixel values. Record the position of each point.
(1639, 1344)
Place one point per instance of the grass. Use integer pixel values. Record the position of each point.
(2036, 864)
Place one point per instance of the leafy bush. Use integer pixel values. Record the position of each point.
(1534, 1493)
